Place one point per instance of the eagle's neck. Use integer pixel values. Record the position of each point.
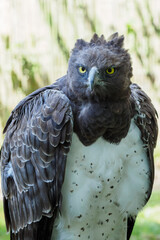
(110, 120)
(93, 119)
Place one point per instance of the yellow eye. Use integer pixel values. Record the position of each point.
(82, 69)
(110, 70)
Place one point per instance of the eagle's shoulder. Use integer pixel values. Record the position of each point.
(145, 115)
(16, 112)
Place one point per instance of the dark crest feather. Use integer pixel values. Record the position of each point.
(98, 40)
(113, 40)
(80, 44)
(113, 36)
(116, 40)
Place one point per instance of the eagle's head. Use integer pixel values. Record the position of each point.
(100, 69)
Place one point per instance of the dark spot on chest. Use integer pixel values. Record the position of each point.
(109, 194)
(100, 222)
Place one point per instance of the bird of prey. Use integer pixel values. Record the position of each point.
(77, 158)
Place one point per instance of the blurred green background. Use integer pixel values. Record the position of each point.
(36, 37)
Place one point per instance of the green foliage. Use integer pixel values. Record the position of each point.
(146, 230)
(31, 73)
(148, 225)
(155, 26)
(6, 40)
(4, 113)
(3, 234)
(143, 44)
(55, 33)
(89, 20)
(30, 69)
(15, 81)
(62, 45)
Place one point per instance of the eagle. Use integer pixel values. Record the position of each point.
(77, 158)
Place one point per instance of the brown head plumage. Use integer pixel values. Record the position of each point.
(106, 68)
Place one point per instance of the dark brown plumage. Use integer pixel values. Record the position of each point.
(89, 101)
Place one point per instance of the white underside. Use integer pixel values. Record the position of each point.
(104, 184)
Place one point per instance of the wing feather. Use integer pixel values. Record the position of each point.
(146, 120)
(38, 138)
(145, 117)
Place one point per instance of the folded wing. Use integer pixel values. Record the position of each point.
(33, 158)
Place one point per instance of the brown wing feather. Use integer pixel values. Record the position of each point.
(146, 120)
(33, 159)
(145, 117)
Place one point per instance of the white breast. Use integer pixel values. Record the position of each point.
(104, 184)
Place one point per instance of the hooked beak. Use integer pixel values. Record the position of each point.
(92, 75)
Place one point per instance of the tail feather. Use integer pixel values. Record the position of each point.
(34, 231)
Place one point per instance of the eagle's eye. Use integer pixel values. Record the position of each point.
(110, 70)
(82, 70)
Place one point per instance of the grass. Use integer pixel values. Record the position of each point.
(3, 234)
(147, 226)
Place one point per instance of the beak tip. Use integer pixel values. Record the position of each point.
(91, 85)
